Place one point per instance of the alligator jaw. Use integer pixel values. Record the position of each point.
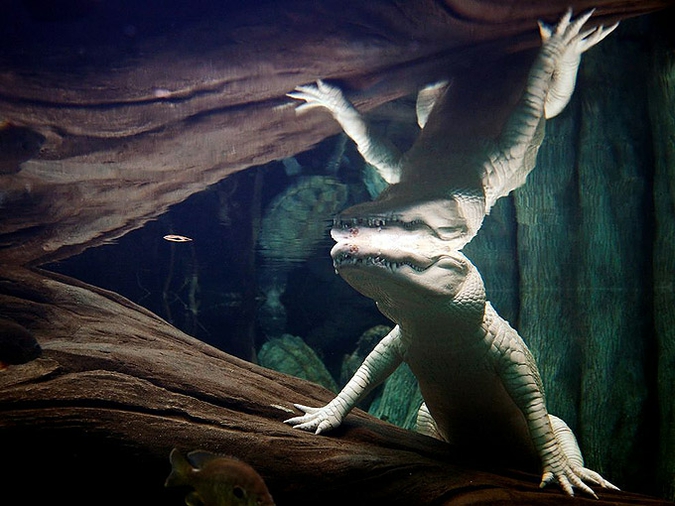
(345, 255)
(389, 244)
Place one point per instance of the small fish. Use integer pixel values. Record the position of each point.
(217, 480)
(176, 238)
(17, 345)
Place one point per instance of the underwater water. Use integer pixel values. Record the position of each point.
(198, 203)
(258, 264)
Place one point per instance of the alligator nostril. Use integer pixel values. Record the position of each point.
(353, 248)
(353, 231)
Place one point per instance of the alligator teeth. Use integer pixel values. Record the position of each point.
(376, 222)
(377, 261)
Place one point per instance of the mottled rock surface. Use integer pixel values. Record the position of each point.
(290, 355)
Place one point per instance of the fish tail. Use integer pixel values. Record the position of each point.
(180, 470)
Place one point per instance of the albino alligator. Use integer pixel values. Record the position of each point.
(479, 381)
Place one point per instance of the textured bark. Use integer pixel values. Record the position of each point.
(94, 419)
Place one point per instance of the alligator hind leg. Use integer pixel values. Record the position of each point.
(426, 425)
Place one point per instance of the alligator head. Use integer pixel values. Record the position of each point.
(404, 248)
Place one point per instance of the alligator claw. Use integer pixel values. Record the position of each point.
(315, 420)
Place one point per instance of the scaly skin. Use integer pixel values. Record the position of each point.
(479, 381)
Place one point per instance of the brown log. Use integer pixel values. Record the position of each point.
(94, 418)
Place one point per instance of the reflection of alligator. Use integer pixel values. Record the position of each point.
(479, 381)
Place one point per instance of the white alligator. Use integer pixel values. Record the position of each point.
(480, 383)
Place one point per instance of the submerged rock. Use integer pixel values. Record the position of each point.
(290, 355)
(298, 219)
(364, 345)
(294, 225)
(400, 399)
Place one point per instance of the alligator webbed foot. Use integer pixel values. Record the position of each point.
(564, 462)
(570, 476)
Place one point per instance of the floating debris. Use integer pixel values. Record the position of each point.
(176, 238)
(161, 93)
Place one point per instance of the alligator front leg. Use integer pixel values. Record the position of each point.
(564, 75)
(556, 445)
(549, 88)
(377, 152)
(377, 366)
